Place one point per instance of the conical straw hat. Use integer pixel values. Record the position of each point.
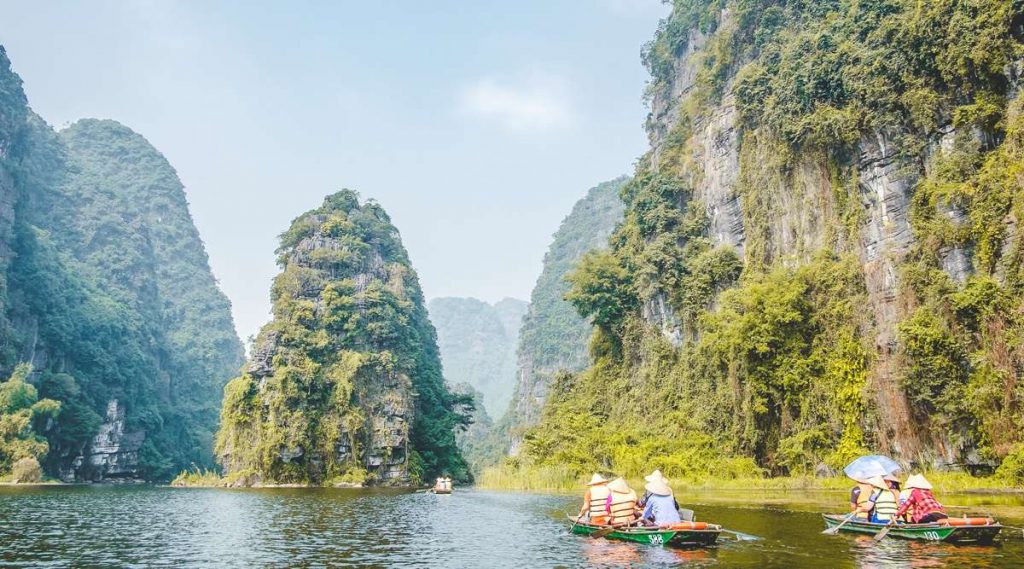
(877, 482)
(656, 475)
(918, 481)
(597, 479)
(658, 488)
(619, 485)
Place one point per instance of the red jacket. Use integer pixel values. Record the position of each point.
(923, 502)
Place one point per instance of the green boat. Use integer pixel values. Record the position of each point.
(964, 534)
(656, 536)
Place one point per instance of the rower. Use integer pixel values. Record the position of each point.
(921, 502)
(594, 500)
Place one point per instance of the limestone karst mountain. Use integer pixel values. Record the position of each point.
(344, 384)
(478, 345)
(107, 292)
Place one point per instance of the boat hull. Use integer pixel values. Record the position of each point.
(976, 535)
(656, 536)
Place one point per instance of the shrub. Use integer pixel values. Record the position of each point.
(27, 471)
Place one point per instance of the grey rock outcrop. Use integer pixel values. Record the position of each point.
(720, 165)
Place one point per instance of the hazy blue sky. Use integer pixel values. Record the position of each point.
(476, 124)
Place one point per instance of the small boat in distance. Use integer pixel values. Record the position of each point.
(961, 530)
(682, 534)
(443, 486)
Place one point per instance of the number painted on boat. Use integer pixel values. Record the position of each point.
(932, 535)
(656, 539)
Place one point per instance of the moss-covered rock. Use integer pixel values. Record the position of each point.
(345, 382)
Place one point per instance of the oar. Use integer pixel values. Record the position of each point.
(610, 529)
(885, 531)
(835, 530)
(578, 516)
(740, 536)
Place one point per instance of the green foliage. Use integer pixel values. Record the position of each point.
(346, 382)
(841, 68)
(481, 444)
(1011, 471)
(113, 285)
(553, 335)
(937, 366)
(198, 477)
(963, 343)
(601, 290)
(23, 421)
(770, 359)
(103, 277)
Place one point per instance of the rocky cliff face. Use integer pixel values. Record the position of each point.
(819, 255)
(344, 386)
(109, 295)
(734, 172)
(554, 337)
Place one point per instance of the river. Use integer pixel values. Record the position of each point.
(145, 526)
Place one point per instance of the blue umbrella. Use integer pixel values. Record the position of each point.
(871, 465)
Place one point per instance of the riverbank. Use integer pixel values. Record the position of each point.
(202, 478)
(556, 479)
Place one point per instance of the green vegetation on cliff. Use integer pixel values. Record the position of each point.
(345, 384)
(109, 295)
(770, 352)
(554, 336)
(23, 416)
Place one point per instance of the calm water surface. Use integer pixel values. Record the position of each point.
(148, 526)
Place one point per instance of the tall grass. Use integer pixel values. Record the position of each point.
(529, 477)
(199, 478)
(557, 478)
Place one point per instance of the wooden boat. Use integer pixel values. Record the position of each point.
(441, 490)
(684, 534)
(977, 531)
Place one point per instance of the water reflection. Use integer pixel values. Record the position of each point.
(143, 526)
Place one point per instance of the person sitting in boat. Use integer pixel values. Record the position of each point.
(595, 499)
(882, 503)
(660, 506)
(621, 503)
(860, 499)
(921, 502)
(654, 476)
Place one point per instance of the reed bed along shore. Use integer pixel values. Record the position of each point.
(556, 479)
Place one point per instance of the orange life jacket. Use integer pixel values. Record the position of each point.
(866, 490)
(622, 508)
(598, 497)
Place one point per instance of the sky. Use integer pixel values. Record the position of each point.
(475, 124)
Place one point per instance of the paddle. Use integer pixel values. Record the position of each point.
(610, 529)
(740, 536)
(577, 521)
(835, 530)
(885, 531)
